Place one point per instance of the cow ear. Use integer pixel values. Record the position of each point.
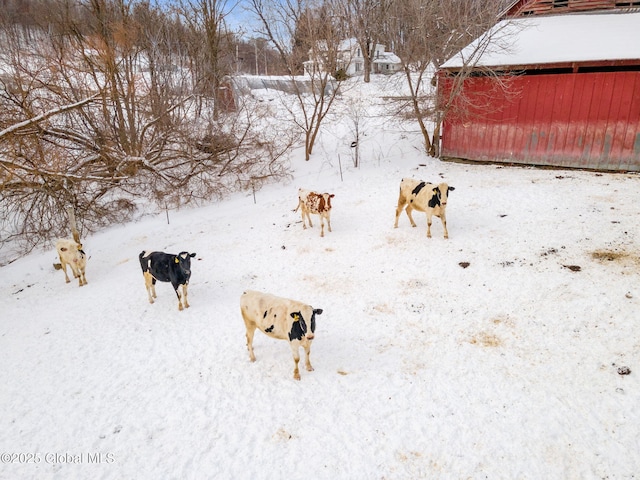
(451, 189)
(318, 311)
(435, 191)
(295, 316)
(79, 246)
(192, 255)
(176, 260)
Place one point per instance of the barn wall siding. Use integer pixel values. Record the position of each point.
(582, 120)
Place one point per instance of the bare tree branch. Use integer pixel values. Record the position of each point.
(45, 116)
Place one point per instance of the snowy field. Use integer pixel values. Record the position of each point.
(494, 354)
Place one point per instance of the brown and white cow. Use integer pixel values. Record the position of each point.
(282, 319)
(424, 197)
(70, 253)
(316, 203)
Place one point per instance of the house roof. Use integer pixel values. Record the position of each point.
(556, 39)
(387, 57)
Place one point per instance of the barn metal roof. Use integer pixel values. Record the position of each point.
(555, 39)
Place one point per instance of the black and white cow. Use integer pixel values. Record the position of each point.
(424, 197)
(282, 319)
(165, 267)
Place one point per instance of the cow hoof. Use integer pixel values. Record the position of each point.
(151, 301)
(296, 376)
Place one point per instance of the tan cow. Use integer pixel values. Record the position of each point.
(424, 197)
(282, 319)
(317, 203)
(70, 253)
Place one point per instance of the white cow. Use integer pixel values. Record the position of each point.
(424, 197)
(70, 253)
(282, 319)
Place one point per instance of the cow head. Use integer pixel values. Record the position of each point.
(304, 325)
(319, 202)
(440, 195)
(183, 259)
(327, 199)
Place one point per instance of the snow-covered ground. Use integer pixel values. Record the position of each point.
(425, 367)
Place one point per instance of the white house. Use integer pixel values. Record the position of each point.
(351, 60)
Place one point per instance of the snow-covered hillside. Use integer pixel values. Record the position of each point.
(497, 353)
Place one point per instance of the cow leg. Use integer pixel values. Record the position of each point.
(398, 212)
(251, 329)
(64, 269)
(329, 222)
(296, 358)
(409, 209)
(305, 212)
(321, 226)
(77, 273)
(184, 296)
(402, 201)
(153, 287)
(443, 218)
(307, 352)
(428, 225)
(296, 372)
(177, 289)
(148, 283)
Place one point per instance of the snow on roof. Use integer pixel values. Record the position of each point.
(557, 39)
(387, 57)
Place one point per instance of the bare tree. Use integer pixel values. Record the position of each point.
(426, 33)
(97, 112)
(365, 21)
(211, 45)
(299, 33)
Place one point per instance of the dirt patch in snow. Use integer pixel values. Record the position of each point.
(620, 257)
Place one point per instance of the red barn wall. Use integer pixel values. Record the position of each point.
(578, 120)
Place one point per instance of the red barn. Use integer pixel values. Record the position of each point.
(554, 83)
